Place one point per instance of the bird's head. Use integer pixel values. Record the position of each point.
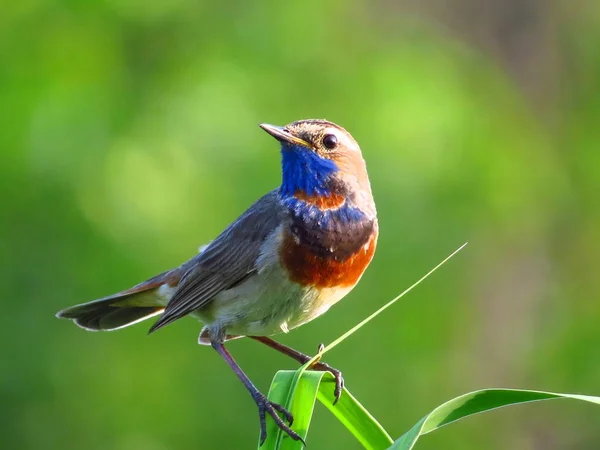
(319, 158)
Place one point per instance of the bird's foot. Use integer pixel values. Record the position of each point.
(339, 379)
(337, 375)
(265, 406)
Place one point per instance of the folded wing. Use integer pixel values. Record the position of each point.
(226, 262)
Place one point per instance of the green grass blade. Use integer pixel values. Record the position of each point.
(380, 310)
(298, 395)
(474, 403)
(354, 417)
(302, 394)
(281, 387)
(298, 390)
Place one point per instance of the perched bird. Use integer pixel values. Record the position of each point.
(295, 252)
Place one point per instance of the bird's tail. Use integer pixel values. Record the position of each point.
(108, 314)
(125, 308)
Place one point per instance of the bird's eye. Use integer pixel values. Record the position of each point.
(330, 141)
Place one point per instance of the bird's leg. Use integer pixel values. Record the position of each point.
(264, 405)
(303, 359)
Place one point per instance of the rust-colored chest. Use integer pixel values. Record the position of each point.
(332, 253)
(308, 268)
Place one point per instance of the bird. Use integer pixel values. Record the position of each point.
(285, 261)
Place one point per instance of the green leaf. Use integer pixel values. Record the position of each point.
(306, 385)
(298, 394)
(474, 403)
(355, 417)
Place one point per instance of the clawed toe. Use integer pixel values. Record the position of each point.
(339, 384)
(339, 379)
(273, 409)
(288, 415)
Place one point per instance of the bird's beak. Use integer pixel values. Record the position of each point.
(282, 135)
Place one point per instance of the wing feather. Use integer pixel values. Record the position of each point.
(229, 259)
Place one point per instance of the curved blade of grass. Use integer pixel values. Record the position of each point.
(474, 403)
(380, 310)
(284, 387)
(354, 417)
(310, 386)
(298, 397)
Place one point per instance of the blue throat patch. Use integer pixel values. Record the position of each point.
(304, 170)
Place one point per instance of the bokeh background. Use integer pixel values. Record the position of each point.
(129, 137)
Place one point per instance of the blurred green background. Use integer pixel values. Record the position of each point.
(129, 137)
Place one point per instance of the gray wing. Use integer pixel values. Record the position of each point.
(226, 262)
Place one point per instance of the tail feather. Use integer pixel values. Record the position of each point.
(111, 317)
(129, 307)
(120, 310)
(110, 313)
